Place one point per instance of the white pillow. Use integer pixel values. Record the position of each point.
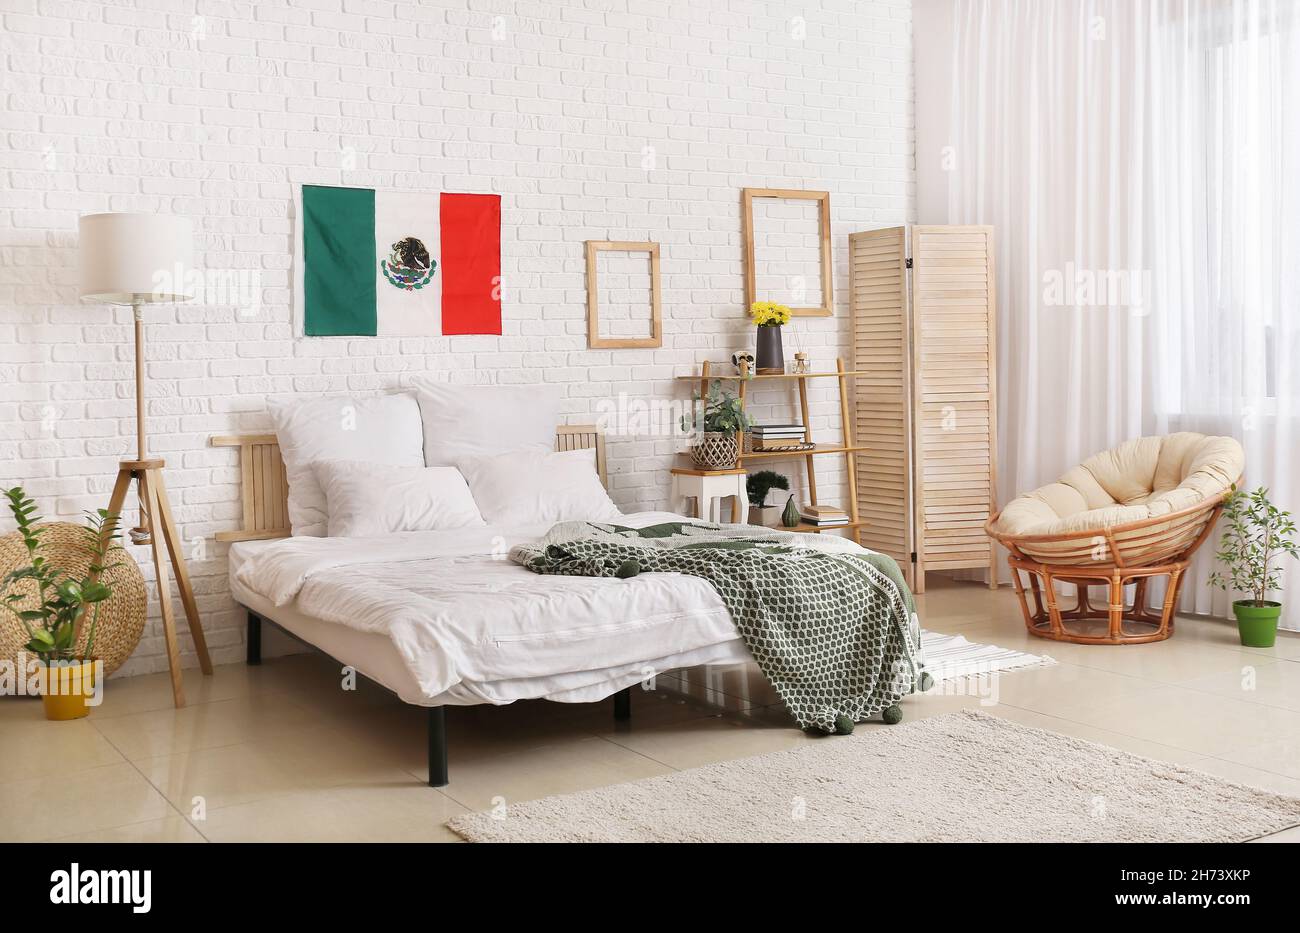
(384, 429)
(531, 487)
(370, 499)
(474, 421)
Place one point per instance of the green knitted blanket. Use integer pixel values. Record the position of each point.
(834, 632)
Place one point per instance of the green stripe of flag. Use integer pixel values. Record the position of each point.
(338, 227)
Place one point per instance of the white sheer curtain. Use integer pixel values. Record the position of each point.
(1141, 162)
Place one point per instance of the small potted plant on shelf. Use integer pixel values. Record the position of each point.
(769, 316)
(1258, 533)
(57, 609)
(757, 486)
(714, 427)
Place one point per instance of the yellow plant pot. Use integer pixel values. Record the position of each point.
(67, 689)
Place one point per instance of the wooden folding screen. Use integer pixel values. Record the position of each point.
(882, 417)
(927, 408)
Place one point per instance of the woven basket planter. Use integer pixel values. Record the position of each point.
(716, 451)
(121, 616)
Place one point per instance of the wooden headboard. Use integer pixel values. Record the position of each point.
(264, 488)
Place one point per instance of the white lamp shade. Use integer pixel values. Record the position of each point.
(136, 258)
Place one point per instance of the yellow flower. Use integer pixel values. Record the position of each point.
(769, 313)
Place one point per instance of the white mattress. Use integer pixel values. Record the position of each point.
(443, 618)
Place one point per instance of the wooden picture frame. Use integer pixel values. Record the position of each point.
(594, 340)
(823, 199)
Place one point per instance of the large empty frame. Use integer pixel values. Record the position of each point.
(594, 339)
(823, 199)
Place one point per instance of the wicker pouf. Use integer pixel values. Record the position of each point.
(121, 616)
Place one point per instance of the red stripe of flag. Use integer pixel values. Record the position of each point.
(471, 263)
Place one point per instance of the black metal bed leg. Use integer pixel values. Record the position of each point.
(437, 747)
(253, 642)
(623, 705)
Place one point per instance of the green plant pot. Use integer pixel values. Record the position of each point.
(1257, 625)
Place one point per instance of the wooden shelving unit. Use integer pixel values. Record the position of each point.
(843, 447)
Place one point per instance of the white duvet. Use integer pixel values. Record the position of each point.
(459, 611)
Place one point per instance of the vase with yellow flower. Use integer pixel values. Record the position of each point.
(769, 356)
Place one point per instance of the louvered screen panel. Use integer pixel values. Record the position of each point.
(878, 296)
(953, 388)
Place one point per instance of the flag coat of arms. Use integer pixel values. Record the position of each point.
(395, 263)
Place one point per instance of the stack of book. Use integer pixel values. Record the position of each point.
(824, 516)
(777, 436)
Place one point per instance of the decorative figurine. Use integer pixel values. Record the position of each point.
(743, 360)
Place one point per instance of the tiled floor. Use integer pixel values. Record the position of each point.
(280, 752)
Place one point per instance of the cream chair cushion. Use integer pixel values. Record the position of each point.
(1140, 479)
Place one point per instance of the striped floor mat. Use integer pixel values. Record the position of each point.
(948, 657)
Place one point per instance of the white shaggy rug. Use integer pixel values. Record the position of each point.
(962, 777)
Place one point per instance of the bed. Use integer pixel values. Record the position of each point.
(441, 617)
(502, 633)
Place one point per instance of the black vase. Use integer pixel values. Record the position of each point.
(770, 358)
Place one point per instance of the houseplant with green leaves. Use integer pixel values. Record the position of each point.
(1257, 537)
(58, 610)
(716, 420)
(757, 487)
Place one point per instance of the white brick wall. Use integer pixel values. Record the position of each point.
(216, 110)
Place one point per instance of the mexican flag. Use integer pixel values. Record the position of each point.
(391, 263)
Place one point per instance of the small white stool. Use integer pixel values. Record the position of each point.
(711, 487)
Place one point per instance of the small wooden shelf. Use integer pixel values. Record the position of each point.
(856, 372)
(685, 466)
(805, 528)
(817, 449)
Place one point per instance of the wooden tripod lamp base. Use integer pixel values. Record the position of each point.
(153, 498)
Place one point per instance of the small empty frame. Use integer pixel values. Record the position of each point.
(594, 338)
(821, 235)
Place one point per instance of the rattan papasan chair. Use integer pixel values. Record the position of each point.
(1123, 516)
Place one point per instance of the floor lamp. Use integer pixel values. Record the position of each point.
(136, 259)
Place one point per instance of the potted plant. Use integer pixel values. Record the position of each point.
(1258, 533)
(757, 487)
(715, 427)
(56, 609)
(769, 316)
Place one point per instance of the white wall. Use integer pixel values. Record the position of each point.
(606, 119)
